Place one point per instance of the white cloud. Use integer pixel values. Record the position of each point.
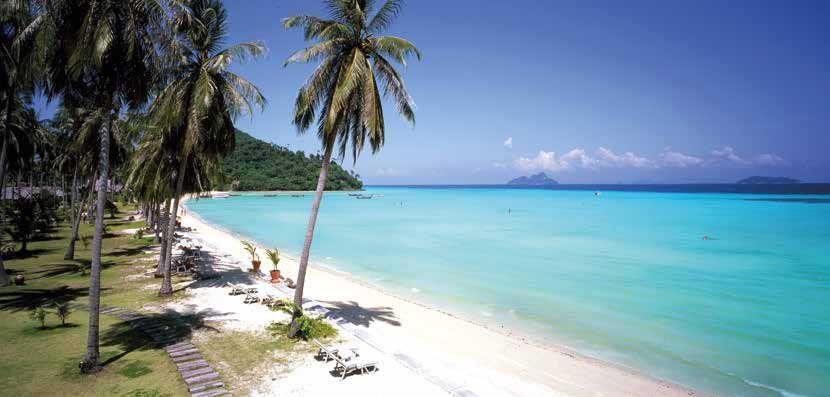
(728, 153)
(509, 142)
(578, 158)
(499, 165)
(766, 159)
(387, 172)
(679, 160)
(607, 158)
(769, 159)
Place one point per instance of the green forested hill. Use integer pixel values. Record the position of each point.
(259, 165)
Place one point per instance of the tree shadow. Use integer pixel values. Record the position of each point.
(126, 251)
(57, 269)
(124, 337)
(46, 237)
(359, 315)
(27, 299)
(29, 253)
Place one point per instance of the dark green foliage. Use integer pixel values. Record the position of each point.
(309, 327)
(259, 165)
(62, 310)
(31, 216)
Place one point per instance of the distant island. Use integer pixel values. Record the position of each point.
(259, 165)
(540, 179)
(768, 180)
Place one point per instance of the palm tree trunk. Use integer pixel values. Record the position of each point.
(73, 197)
(166, 284)
(70, 249)
(309, 235)
(163, 251)
(91, 359)
(64, 198)
(156, 219)
(4, 276)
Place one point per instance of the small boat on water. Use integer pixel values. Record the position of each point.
(221, 196)
(270, 195)
(355, 194)
(363, 197)
(235, 195)
(298, 195)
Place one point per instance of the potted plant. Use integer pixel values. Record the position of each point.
(274, 256)
(255, 262)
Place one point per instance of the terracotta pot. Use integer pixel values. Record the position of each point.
(19, 279)
(275, 276)
(256, 265)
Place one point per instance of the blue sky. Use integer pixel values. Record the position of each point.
(587, 91)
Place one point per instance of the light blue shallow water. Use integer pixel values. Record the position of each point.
(623, 276)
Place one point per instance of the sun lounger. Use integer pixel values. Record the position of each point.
(235, 289)
(331, 352)
(269, 300)
(251, 298)
(358, 363)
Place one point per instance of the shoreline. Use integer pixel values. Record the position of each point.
(458, 342)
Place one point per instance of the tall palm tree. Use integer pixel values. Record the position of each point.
(202, 97)
(103, 51)
(20, 70)
(342, 92)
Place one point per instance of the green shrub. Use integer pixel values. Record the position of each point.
(62, 310)
(310, 327)
(39, 314)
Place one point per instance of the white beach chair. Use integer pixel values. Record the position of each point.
(359, 363)
(330, 352)
(251, 298)
(235, 289)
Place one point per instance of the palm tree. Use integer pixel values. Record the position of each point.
(202, 97)
(104, 51)
(20, 68)
(342, 92)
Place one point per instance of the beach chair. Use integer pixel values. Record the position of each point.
(235, 289)
(359, 363)
(331, 352)
(251, 298)
(268, 300)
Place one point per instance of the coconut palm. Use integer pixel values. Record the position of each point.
(104, 52)
(20, 70)
(342, 93)
(198, 105)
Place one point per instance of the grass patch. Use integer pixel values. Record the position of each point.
(45, 361)
(242, 358)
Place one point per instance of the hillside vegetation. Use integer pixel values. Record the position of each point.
(259, 165)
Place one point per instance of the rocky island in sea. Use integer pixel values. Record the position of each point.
(540, 179)
(768, 180)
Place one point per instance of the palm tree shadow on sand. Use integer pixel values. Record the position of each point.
(363, 316)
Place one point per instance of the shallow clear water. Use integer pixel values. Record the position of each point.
(625, 276)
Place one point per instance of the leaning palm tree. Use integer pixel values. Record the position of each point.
(342, 93)
(202, 98)
(103, 52)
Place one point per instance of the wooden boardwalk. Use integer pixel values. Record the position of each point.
(201, 379)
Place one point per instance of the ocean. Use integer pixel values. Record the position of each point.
(704, 285)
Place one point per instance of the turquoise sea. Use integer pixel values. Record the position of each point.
(625, 276)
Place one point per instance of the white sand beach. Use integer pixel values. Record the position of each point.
(422, 351)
